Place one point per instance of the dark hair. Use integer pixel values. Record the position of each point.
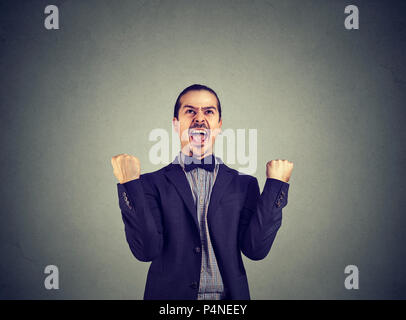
(192, 88)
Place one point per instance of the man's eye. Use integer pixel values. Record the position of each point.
(190, 111)
(210, 111)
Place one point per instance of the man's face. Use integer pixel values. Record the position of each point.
(198, 123)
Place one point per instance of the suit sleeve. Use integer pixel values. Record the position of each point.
(141, 213)
(262, 217)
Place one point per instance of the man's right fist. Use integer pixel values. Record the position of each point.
(126, 167)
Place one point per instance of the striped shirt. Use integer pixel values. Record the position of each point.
(201, 183)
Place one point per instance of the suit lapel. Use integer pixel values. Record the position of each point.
(178, 178)
(223, 179)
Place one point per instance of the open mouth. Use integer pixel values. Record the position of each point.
(198, 135)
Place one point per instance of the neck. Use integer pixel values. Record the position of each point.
(198, 156)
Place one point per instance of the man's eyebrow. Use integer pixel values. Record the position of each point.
(189, 106)
(204, 108)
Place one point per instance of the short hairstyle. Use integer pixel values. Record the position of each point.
(195, 87)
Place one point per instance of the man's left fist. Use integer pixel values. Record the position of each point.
(279, 169)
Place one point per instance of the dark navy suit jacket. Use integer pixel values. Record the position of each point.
(161, 226)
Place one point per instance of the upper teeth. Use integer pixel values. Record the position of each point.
(199, 131)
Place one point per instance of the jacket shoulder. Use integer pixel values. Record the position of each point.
(157, 174)
(240, 176)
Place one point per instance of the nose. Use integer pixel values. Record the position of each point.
(199, 118)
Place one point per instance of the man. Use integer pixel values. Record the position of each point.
(194, 217)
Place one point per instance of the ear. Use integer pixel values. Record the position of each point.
(175, 123)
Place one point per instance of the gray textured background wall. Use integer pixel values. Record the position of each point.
(328, 99)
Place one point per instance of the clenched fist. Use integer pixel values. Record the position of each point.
(126, 167)
(279, 169)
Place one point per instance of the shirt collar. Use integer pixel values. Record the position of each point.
(181, 159)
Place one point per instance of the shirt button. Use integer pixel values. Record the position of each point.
(197, 249)
(194, 285)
